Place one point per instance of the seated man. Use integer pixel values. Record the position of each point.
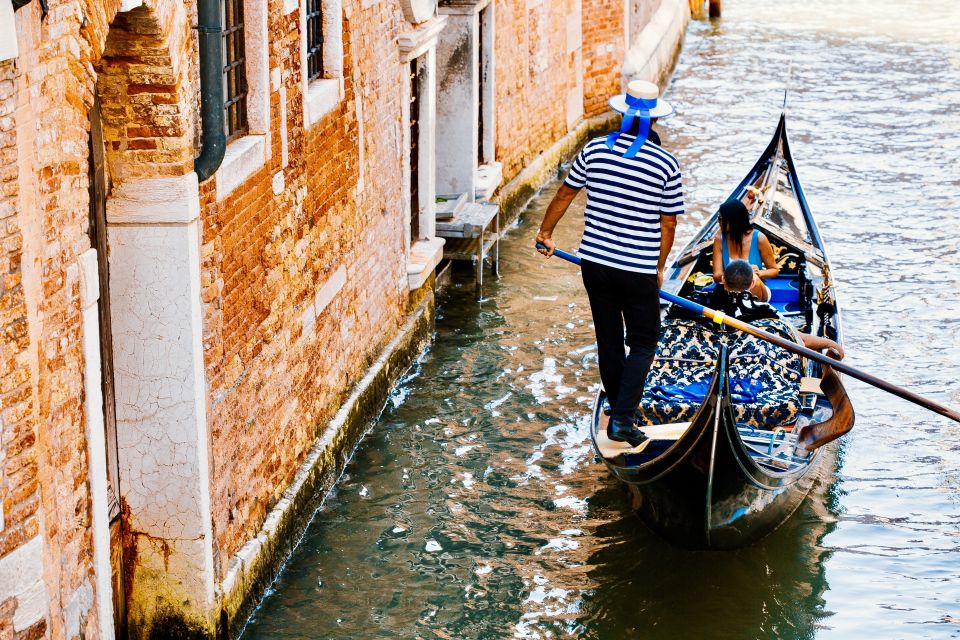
(734, 299)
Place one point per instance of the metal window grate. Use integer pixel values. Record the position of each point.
(314, 39)
(414, 151)
(234, 69)
(483, 85)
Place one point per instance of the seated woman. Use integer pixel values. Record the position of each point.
(735, 298)
(738, 240)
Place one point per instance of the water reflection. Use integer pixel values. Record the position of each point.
(475, 508)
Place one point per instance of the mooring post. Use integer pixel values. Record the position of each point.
(714, 8)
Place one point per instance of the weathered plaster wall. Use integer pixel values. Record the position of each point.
(638, 14)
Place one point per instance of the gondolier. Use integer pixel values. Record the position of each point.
(634, 194)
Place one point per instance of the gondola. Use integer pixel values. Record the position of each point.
(727, 461)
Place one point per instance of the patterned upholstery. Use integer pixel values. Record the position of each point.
(765, 379)
(759, 364)
(686, 356)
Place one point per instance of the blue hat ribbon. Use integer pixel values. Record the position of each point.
(636, 108)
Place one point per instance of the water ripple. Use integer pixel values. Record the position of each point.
(475, 508)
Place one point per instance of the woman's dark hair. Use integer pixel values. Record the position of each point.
(734, 222)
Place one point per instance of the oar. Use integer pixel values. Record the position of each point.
(721, 318)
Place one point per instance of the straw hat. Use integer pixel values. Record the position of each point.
(642, 90)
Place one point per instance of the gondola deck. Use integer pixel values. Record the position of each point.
(720, 474)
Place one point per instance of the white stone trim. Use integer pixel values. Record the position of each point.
(427, 147)
(424, 257)
(423, 41)
(414, 43)
(155, 201)
(320, 96)
(489, 177)
(321, 300)
(8, 31)
(88, 266)
(626, 23)
(243, 157)
(575, 109)
(96, 437)
(488, 53)
(329, 290)
(129, 5)
(21, 577)
(418, 11)
(156, 316)
(256, 49)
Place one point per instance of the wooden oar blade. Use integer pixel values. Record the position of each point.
(813, 436)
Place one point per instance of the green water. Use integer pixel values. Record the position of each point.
(475, 507)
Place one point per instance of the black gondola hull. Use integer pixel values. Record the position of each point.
(705, 491)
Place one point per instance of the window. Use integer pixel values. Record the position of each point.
(246, 89)
(234, 70)
(314, 39)
(321, 52)
(481, 79)
(414, 150)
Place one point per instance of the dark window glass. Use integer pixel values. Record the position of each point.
(234, 69)
(414, 151)
(314, 39)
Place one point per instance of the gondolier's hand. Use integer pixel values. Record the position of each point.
(547, 241)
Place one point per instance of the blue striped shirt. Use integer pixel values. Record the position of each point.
(625, 198)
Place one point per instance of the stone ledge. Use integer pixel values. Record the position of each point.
(244, 156)
(424, 257)
(322, 97)
(415, 42)
(255, 566)
(489, 177)
(174, 200)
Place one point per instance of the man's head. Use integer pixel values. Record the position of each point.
(738, 276)
(634, 129)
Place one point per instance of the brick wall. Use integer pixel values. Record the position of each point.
(603, 47)
(276, 371)
(534, 74)
(45, 98)
(302, 267)
(19, 478)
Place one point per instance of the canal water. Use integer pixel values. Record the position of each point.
(475, 507)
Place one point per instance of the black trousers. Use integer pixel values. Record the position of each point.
(623, 300)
